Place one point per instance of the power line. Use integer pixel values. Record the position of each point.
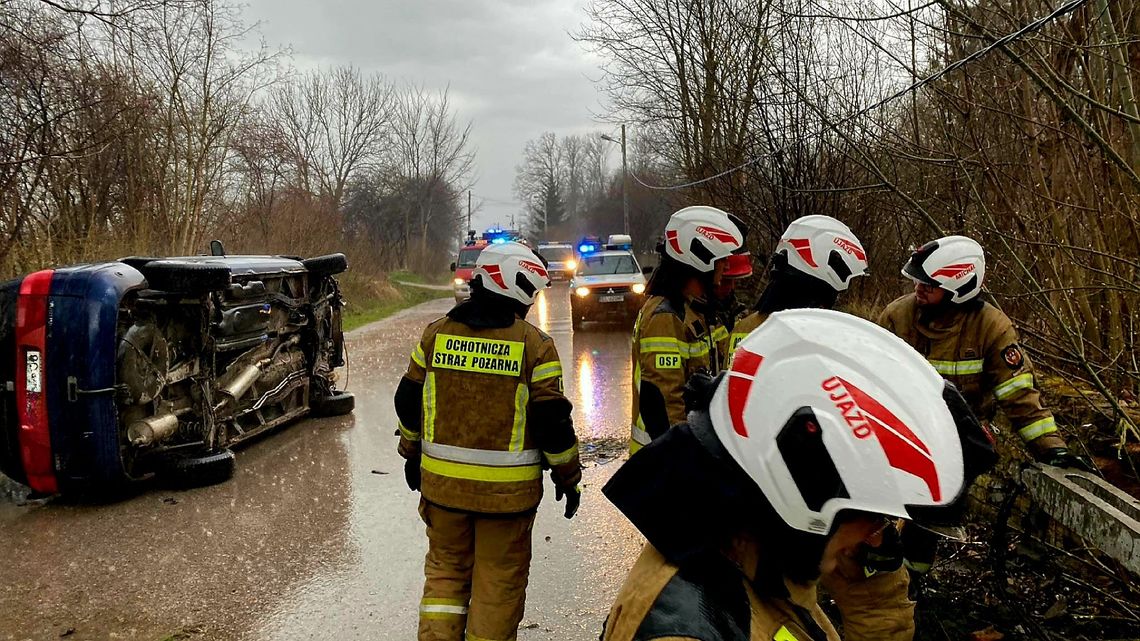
(1064, 9)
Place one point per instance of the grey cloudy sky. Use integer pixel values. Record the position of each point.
(511, 66)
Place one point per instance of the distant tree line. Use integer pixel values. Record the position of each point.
(147, 127)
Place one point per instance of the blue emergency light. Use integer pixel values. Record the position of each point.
(585, 249)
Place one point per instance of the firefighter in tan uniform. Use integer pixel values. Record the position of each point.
(672, 336)
(817, 258)
(781, 477)
(974, 345)
(481, 415)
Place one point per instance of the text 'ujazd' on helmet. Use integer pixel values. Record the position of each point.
(511, 269)
(827, 412)
(699, 236)
(825, 248)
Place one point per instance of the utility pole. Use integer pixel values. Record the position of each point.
(468, 210)
(624, 181)
(624, 185)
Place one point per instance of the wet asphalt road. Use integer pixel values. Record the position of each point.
(317, 536)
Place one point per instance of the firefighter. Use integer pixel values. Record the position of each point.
(481, 413)
(815, 259)
(672, 334)
(974, 345)
(804, 453)
(738, 266)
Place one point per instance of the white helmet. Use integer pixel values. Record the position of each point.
(823, 247)
(828, 412)
(512, 270)
(956, 264)
(701, 235)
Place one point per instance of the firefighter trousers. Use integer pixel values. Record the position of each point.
(873, 608)
(475, 574)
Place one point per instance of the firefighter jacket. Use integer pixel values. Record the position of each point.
(669, 345)
(743, 327)
(491, 413)
(975, 347)
(712, 597)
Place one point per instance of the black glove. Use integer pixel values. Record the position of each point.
(1062, 457)
(573, 499)
(698, 391)
(412, 473)
(887, 557)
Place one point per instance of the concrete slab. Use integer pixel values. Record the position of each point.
(1102, 514)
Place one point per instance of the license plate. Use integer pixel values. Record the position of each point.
(34, 369)
(617, 298)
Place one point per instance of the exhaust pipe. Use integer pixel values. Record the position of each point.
(241, 383)
(152, 429)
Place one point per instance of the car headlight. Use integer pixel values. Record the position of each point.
(582, 292)
(639, 288)
(459, 281)
(571, 264)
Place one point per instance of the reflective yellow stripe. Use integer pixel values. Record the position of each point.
(480, 355)
(406, 433)
(418, 356)
(471, 472)
(433, 608)
(720, 333)
(1037, 429)
(958, 368)
(1013, 386)
(661, 344)
(429, 407)
(545, 371)
(562, 457)
(700, 348)
(634, 446)
(518, 429)
(784, 634)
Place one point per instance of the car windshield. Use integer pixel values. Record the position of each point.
(556, 254)
(467, 256)
(602, 265)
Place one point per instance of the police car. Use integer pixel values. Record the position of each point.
(609, 283)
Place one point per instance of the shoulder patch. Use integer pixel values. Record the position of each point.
(1012, 356)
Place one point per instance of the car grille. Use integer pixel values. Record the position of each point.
(611, 289)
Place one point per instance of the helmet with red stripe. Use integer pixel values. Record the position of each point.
(512, 270)
(699, 236)
(956, 264)
(825, 248)
(828, 412)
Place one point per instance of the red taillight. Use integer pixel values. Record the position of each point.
(31, 387)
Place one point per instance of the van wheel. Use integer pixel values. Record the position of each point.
(337, 404)
(199, 470)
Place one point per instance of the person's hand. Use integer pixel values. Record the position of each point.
(1062, 457)
(698, 391)
(573, 499)
(412, 473)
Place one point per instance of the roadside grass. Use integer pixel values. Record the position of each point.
(412, 277)
(369, 302)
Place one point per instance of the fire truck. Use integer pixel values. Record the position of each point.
(464, 266)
